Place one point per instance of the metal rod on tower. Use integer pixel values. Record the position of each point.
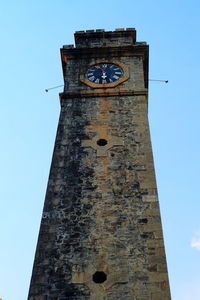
(166, 81)
(55, 87)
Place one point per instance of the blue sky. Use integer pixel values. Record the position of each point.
(31, 34)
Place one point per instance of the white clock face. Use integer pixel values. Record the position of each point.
(104, 73)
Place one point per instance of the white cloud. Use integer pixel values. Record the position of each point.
(195, 243)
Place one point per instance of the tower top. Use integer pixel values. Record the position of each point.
(101, 38)
(104, 45)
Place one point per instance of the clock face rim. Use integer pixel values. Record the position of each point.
(106, 73)
(93, 85)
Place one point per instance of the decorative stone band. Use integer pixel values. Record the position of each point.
(101, 93)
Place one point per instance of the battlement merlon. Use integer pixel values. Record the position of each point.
(101, 38)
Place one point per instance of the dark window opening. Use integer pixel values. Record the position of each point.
(99, 277)
(102, 142)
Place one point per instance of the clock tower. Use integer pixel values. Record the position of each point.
(101, 234)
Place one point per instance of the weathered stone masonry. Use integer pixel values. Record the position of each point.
(101, 235)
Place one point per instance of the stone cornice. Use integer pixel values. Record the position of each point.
(102, 93)
(140, 49)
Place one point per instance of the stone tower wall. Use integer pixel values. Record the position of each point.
(101, 218)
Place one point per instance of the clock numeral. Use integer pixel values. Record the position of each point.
(119, 72)
(97, 80)
(104, 81)
(91, 78)
(116, 77)
(90, 74)
(110, 80)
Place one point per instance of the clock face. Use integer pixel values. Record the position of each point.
(104, 73)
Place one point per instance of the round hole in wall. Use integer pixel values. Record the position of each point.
(102, 142)
(99, 277)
